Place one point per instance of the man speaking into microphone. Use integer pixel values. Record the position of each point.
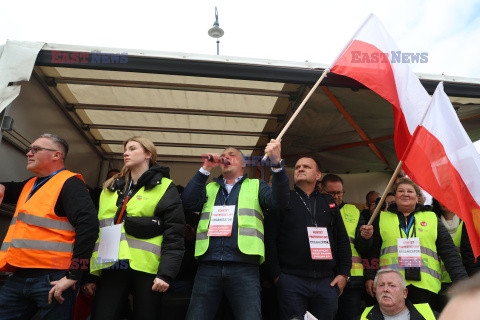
(230, 233)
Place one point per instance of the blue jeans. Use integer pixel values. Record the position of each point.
(239, 282)
(297, 294)
(21, 298)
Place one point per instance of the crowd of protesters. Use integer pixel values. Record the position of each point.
(236, 247)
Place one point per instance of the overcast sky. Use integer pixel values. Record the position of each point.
(449, 31)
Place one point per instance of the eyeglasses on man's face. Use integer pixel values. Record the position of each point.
(335, 193)
(35, 149)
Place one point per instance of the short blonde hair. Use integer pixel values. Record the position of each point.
(408, 181)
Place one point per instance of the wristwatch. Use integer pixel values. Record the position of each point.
(280, 164)
(346, 277)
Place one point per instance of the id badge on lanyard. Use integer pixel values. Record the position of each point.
(409, 252)
(319, 243)
(221, 221)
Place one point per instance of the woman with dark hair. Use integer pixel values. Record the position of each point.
(140, 245)
(410, 239)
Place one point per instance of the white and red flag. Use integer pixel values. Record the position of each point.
(374, 60)
(443, 160)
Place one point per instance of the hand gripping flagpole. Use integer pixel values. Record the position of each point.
(399, 166)
(300, 107)
(389, 186)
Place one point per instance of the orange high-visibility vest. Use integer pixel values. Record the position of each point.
(37, 237)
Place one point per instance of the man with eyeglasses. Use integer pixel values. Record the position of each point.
(307, 249)
(51, 236)
(360, 236)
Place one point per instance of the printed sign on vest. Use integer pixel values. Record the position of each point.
(409, 254)
(319, 243)
(221, 221)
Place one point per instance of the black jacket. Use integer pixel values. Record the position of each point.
(468, 258)
(444, 243)
(170, 210)
(376, 314)
(287, 245)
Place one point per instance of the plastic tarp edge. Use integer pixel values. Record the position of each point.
(17, 59)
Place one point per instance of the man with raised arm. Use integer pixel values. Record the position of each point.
(230, 233)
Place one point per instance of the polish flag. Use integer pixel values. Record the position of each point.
(443, 160)
(373, 59)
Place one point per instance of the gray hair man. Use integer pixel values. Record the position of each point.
(391, 293)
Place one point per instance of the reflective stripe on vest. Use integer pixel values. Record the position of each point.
(106, 222)
(137, 244)
(37, 237)
(351, 216)
(142, 254)
(457, 239)
(423, 308)
(426, 225)
(44, 222)
(250, 220)
(38, 245)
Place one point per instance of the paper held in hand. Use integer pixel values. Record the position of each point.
(221, 221)
(109, 244)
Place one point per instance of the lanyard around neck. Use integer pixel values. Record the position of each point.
(226, 195)
(37, 184)
(407, 231)
(312, 215)
(125, 201)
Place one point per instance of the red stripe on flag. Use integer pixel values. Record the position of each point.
(428, 165)
(371, 67)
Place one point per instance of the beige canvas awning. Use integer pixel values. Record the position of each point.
(190, 105)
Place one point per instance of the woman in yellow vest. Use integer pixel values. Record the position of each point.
(411, 239)
(457, 230)
(141, 243)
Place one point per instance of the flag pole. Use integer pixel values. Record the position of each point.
(300, 107)
(399, 166)
(389, 186)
